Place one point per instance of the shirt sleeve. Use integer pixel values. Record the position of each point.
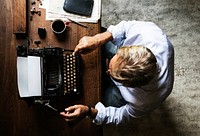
(114, 115)
(119, 31)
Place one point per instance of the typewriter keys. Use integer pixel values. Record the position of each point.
(70, 66)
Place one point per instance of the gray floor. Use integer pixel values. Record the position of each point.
(180, 20)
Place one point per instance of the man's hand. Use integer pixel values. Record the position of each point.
(75, 113)
(87, 44)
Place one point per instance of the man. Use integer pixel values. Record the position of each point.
(141, 72)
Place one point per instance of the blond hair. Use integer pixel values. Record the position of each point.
(136, 66)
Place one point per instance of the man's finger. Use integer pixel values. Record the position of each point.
(68, 115)
(78, 48)
(70, 119)
(71, 108)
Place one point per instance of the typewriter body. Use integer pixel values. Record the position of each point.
(59, 72)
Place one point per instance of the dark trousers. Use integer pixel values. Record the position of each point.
(111, 94)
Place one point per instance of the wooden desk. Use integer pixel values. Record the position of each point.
(17, 118)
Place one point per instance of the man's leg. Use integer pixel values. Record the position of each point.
(113, 97)
(109, 49)
(111, 94)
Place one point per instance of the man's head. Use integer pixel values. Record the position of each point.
(133, 66)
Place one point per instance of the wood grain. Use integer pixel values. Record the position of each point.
(17, 117)
(19, 17)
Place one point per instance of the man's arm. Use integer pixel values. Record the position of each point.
(90, 43)
(76, 113)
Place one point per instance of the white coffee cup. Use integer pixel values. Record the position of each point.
(58, 26)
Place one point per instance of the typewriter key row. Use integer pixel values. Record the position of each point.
(69, 70)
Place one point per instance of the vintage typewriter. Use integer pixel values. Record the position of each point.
(59, 71)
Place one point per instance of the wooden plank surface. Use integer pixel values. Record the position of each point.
(17, 118)
(19, 16)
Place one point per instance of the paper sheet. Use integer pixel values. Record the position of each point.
(54, 10)
(29, 76)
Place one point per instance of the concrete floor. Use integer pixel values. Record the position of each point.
(180, 20)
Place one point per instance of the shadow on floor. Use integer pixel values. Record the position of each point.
(158, 123)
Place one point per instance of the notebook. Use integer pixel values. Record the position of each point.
(80, 7)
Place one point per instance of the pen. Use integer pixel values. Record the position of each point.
(77, 23)
(48, 105)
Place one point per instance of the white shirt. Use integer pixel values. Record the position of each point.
(141, 100)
